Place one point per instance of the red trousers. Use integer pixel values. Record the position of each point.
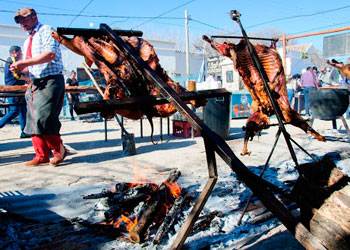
(44, 143)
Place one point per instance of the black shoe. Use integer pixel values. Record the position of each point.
(24, 135)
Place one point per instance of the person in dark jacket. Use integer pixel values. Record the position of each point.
(72, 97)
(43, 62)
(19, 104)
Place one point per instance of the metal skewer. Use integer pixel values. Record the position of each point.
(241, 37)
(5, 61)
(235, 16)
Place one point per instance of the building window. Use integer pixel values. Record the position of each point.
(229, 76)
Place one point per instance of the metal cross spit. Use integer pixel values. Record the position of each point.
(215, 144)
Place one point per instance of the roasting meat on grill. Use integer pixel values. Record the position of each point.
(124, 77)
(343, 69)
(272, 64)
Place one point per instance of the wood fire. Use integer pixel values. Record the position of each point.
(136, 210)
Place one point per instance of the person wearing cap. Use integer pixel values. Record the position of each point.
(43, 62)
(19, 104)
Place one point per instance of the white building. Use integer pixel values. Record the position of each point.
(172, 60)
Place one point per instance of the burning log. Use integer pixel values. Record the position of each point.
(101, 229)
(171, 217)
(137, 192)
(127, 200)
(116, 211)
(152, 207)
(119, 188)
(126, 197)
(103, 194)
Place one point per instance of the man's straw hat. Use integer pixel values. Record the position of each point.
(27, 11)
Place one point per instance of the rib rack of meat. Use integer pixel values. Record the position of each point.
(123, 77)
(261, 105)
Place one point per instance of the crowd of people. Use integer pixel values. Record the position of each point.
(312, 79)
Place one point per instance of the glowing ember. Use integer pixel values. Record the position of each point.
(129, 223)
(174, 188)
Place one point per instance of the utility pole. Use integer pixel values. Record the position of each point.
(188, 61)
(187, 46)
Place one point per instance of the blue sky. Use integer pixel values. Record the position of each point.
(165, 19)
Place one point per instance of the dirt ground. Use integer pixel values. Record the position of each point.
(96, 157)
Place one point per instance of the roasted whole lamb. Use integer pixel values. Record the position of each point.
(261, 105)
(123, 77)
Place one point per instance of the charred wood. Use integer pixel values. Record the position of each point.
(114, 212)
(152, 208)
(171, 218)
(105, 193)
(101, 229)
(135, 193)
(128, 200)
(204, 221)
(123, 186)
(172, 178)
(118, 188)
(222, 193)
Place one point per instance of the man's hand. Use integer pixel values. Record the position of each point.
(17, 67)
